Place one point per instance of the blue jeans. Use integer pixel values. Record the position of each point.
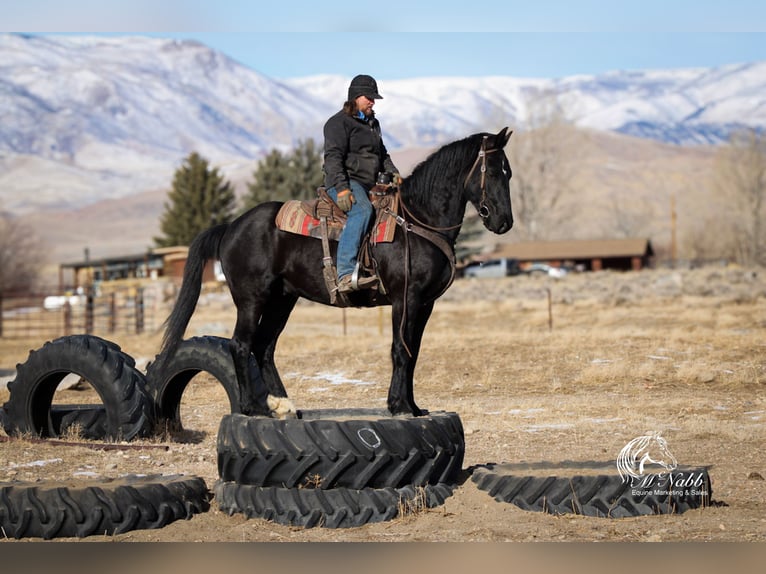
(358, 222)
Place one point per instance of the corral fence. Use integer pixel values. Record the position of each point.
(130, 309)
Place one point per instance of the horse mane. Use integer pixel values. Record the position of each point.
(439, 169)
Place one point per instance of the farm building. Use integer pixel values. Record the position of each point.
(590, 254)
(167, 262)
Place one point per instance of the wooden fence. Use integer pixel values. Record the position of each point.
(127, 310)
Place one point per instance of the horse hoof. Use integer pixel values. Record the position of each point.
(408, 413)
(281, 408)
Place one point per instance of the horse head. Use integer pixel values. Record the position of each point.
(657, 452)
(487, 185)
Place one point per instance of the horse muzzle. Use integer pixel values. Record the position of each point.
(498, 225)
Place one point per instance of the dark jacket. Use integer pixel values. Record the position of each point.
(354, 149)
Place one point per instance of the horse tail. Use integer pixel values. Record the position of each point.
(205, 246)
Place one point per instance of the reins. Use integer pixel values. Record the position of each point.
(436, 239)
(420, 223)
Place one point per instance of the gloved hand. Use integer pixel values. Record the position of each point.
(397, 180)
(345, 200)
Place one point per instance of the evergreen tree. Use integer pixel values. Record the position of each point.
(281, 177)
(200, 198)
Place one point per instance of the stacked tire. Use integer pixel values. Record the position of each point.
(337, 468)
(333, 468)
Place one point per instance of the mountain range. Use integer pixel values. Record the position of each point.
(86, 119)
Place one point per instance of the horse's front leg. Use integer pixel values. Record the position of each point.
(405, 348)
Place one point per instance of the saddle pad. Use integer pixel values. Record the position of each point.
(292, 217)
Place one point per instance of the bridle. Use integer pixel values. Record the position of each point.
(483, 209)
(482, 157)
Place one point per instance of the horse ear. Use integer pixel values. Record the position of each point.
(502, 137)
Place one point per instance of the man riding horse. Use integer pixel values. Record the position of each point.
(268, 269)
(354, 154)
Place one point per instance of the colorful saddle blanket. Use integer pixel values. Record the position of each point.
(303, 217)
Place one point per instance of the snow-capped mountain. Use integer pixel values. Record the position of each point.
(687, 106)
(89, 118)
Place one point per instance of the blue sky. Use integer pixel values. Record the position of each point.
(402, 39)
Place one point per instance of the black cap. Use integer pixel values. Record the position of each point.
(363, 85)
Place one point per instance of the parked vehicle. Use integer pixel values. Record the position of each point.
(545, 269)
(492, 268)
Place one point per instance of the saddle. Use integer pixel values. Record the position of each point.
(322, 219)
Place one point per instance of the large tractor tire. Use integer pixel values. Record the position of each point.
(106, 507)
(86, 421)
(193, 356)
(343, 448)
(335, 508)
(111, 373)
(593, 489)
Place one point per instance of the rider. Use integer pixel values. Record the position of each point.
(354, 154)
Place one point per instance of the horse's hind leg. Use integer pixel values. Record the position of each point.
(276, 312)
(251, 402)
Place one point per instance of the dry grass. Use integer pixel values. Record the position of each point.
(628, 354)
(412, 507)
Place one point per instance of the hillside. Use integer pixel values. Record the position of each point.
(87, 119)
(615, 173)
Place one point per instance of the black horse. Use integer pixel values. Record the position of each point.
(267, 269)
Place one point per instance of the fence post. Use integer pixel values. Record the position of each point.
(550, 309)
(89, 311)
(113, 312)
(67, 318)
(139, 310)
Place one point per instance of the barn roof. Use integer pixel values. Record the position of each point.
(156, 253)
(573, 249)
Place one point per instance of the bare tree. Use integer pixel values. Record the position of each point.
(22, 255)
(543, 168)
(741, 179)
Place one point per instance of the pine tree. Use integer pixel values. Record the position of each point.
(281, 177)
(200, 198)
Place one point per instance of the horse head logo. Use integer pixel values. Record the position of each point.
(643, 451)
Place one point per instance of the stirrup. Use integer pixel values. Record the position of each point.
(355, 277)
(357, 282)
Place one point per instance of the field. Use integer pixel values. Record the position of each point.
(615, 356)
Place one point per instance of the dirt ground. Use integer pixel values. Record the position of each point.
(614, 356)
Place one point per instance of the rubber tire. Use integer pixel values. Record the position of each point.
(335, 508)
(91, 420)
(362, 448)
(209, 354)
(106, 507)
(110, 371)
(599, 493)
